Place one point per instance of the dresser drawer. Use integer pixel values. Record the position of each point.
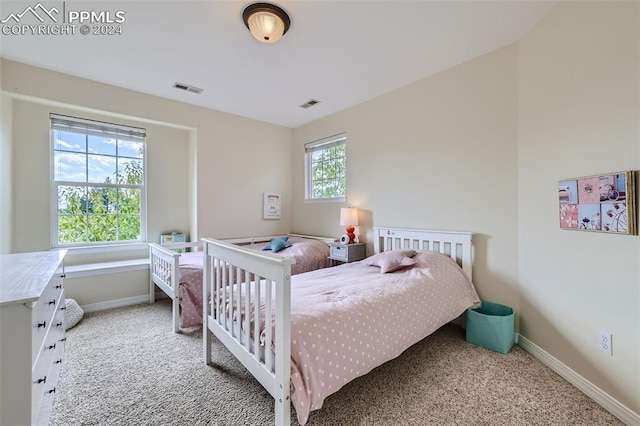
(43, 394)
(347, 252)
(41, 317)
(47, 365)
(40, 379)
(47, 314)
(339, 252)
(31, 335)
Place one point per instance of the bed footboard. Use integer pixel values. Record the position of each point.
(247, 306)
(164, 268)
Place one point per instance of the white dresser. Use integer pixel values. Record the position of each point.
(31, 335)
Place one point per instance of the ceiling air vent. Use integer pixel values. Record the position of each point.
(187, 88)
(309, 104)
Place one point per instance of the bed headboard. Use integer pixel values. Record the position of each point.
(456, 245)
(266, 238)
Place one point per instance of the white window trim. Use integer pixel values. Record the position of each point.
(335, 140)
(95, 127)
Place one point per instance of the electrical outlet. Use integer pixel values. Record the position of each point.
(605, 342)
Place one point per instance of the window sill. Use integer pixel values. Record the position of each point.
(91, 269)
(104, 248)
(326, 200)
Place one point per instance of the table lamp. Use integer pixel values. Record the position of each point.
(349, 218)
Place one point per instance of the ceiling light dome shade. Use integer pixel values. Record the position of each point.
(267, 22)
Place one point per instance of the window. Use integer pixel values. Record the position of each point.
(326, 168)
(98, 182)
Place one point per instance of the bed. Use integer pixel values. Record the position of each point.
(305, 336)
(184, 262)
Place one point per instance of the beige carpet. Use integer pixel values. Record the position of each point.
(126, 367)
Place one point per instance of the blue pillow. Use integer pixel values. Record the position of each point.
(277, 244)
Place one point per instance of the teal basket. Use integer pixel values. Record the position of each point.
(491, 326)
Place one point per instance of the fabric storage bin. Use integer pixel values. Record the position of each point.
(72, 314)
(491, 326)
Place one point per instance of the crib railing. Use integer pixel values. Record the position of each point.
(247, 306)
(164, 271)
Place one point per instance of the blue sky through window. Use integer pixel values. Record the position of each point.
(88, 158)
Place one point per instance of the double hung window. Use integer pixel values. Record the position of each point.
(326, 168)
(98, 182)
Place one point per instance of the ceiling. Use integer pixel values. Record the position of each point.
(340, 53)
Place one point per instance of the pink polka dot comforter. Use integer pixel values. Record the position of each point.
(350, 319)
(309, 255)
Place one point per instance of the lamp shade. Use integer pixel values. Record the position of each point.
(267, 22)
(348, 216)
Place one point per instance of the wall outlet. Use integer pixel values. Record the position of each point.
(605, 342)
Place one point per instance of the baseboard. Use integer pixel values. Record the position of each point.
(601, 397)
(118, 303)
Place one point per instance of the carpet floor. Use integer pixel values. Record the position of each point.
(126, 367)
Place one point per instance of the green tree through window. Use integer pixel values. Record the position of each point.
(327, 168)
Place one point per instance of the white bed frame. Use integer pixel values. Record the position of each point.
(164, 265)
(272, 369)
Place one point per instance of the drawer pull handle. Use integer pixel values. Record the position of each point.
(59, 324)
(63, 308)
(58, 361)
(64, 339)
(43, 380)
(52, 302)
(63, 275)
(52, 390)
(51, 346)
(42, 324)
(58, 286)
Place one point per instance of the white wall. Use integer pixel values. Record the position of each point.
(438, 154)
(579, 115)
(5, 174)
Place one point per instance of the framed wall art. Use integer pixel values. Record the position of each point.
(600, 203)
(272, 205)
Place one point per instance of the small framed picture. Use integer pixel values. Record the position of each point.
(600, 203)
(272, 205)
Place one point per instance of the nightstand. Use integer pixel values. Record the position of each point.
(346, 252)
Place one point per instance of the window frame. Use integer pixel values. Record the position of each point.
(309, 148)
(87, 128)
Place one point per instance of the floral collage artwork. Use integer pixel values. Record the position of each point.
(603, 203)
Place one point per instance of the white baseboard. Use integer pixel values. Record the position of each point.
(601, 397)
(118, 303)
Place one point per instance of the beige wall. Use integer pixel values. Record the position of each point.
(207, 170)
(167, 173)
(5, 173)
(579, 115)
(438, 154)
(231, 151)
(480, 147)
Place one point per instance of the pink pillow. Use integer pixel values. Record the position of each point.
(392, 260)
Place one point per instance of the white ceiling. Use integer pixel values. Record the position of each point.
(341, 53)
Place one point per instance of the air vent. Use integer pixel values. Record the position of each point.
(309, 104)
(187, 88)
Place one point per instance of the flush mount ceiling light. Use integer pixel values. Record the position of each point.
(267, 22)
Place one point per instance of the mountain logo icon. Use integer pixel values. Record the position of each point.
(39, 11)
